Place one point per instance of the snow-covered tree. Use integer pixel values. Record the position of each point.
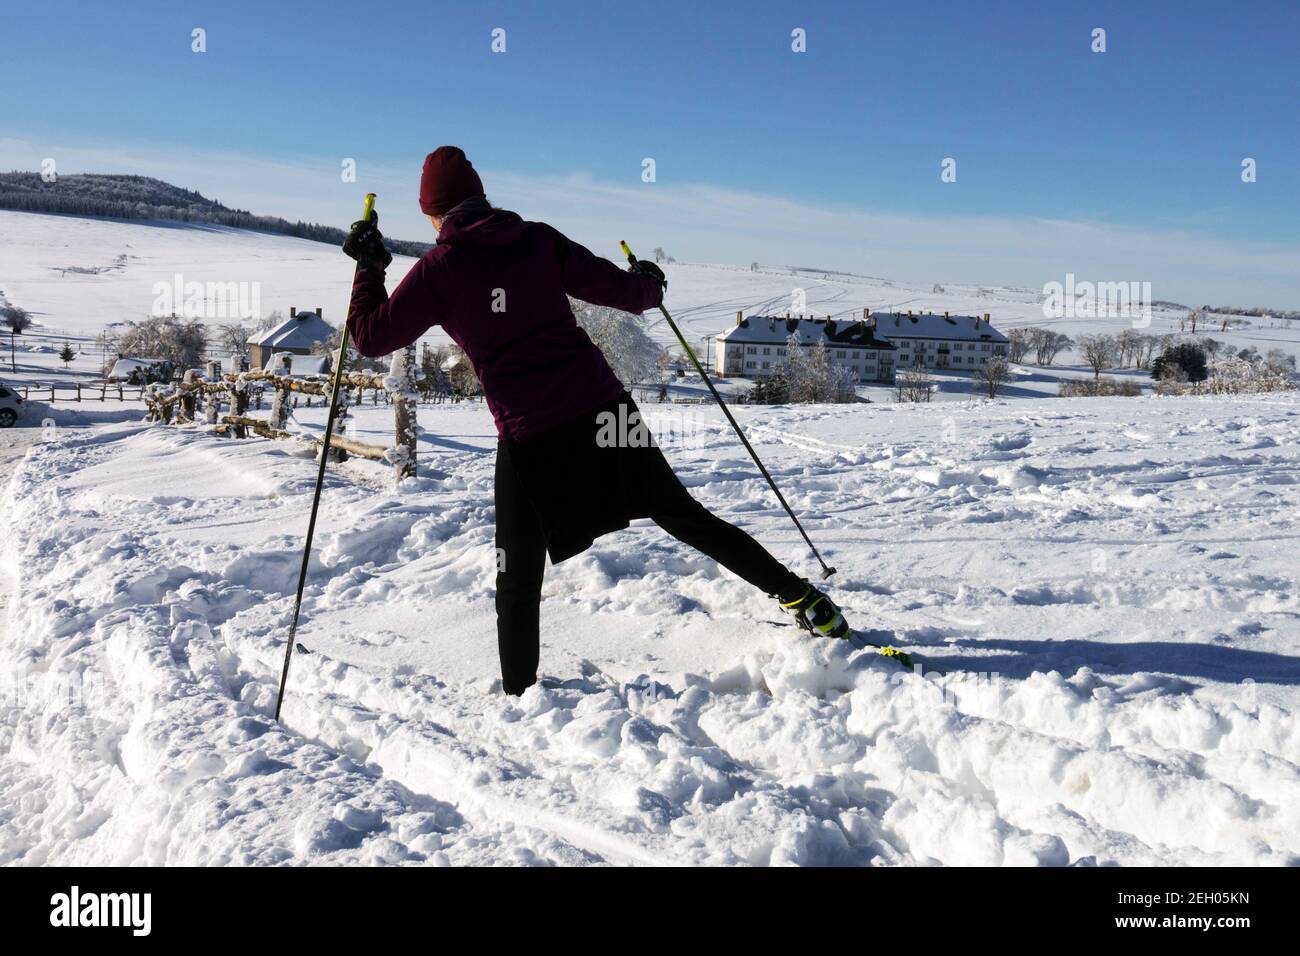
(622, 339)
(16, 320)
(179, 341)
(66, 355)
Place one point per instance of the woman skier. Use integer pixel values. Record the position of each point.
(499, 287)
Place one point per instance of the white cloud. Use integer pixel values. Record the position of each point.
(710, 223)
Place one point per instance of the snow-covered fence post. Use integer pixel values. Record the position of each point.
(400, 387)
(189, 389)
(280, 408)
(212, 397)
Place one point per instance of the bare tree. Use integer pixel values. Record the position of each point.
(992, 376)
(1018, 341)
(1098, 352)
(271, 320)
(1048, 344)
(1127, 346)
(234, 338)
(913, 385)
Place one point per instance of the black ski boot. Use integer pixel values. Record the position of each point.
(815, 612)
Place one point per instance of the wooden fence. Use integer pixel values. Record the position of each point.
(83, 391)
(180, 404)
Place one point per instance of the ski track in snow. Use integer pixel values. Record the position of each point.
(1105, 588)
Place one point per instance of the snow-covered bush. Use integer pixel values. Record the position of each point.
(1235, 375)
(1091, 387)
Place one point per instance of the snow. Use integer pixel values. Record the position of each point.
(299, 365)
(124, 368)
(1100, 593)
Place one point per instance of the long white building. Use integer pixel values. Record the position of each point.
(873, 347)
(754, 346)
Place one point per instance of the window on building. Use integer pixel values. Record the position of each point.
(766, 351)
(751, 350)
(984, 347)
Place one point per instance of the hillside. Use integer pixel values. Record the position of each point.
(143, 198)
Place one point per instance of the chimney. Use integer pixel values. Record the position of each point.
(866, 314)
(293, 312)
(945, 315)
(738, 317)
(986, 317)
(320, 311)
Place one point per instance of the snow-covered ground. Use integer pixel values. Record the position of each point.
(77, 276)
(1101, 594)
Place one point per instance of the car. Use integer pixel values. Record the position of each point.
(11, 406)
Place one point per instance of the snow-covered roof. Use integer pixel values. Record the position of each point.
(929, 325)
(299, 364)
(776, 330)
(124, 367)
(301, 331)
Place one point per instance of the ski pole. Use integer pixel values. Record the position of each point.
(827, 570)
(369, 211)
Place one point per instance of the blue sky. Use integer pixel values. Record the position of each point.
(1119, 165)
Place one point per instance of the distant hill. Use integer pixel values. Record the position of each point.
(143, 197)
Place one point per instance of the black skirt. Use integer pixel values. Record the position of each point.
(592, 475)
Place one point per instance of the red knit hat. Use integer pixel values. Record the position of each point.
(447, 181)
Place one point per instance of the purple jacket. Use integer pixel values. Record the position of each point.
(498, 285)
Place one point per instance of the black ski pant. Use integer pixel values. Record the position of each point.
(520, 539)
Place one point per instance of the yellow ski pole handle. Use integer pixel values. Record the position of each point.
(369, 209)
(631, 259)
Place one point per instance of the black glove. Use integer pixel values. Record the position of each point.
(365, 243)
(642, 268)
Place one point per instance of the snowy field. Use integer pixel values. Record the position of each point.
(77, 276)
(1101, 595)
